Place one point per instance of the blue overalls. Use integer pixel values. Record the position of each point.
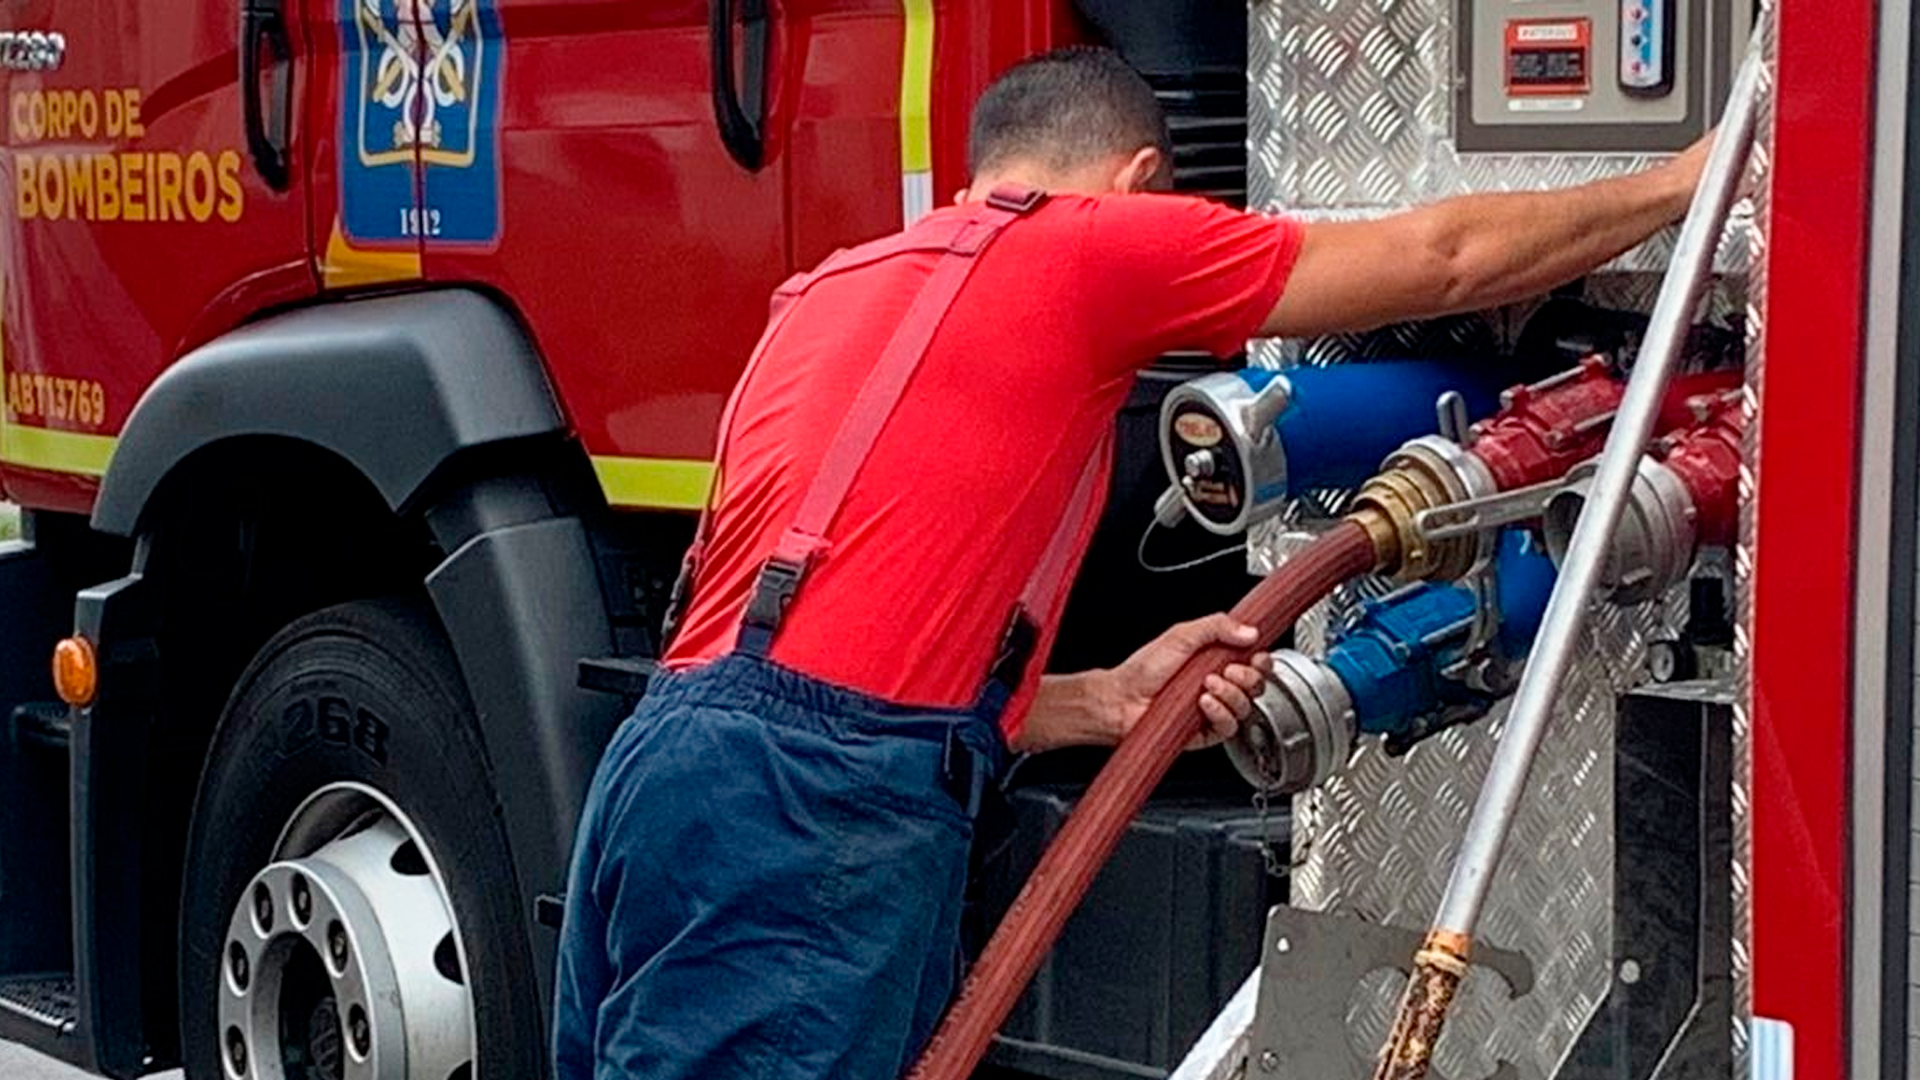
(768, 875)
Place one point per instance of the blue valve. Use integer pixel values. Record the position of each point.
(1345, 420)
(1409, 661)
(1525, 574)
(1405, 667)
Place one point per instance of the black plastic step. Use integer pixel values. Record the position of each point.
(43, 723)
(46, 1000)
(1169, 929)
(623, 675)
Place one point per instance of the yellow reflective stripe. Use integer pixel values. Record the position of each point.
(55, 451)
(916, 87)
(916, 109)
(655, 483)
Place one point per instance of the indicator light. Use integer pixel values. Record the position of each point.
(76, 671)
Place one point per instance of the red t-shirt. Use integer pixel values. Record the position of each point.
(968, 480)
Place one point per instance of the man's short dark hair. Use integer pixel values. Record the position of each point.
(1064, 109)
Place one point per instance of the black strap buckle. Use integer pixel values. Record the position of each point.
(1015, 199)
(964, 773)
(1016, 650)
(773, 591)
(678, 599)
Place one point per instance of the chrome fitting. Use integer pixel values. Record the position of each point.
(1652, 549)
(1301, 731)
(1218, 444)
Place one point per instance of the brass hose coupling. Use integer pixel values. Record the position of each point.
(1425, 474)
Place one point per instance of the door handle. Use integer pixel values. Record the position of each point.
(740, 102)
(263, 37)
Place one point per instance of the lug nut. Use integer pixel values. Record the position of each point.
(337, 946)
(359, 1031)
(263, 908)
(237, 1051)
(237, 964)
(302, 899)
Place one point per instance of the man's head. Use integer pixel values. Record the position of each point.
(1073, 120)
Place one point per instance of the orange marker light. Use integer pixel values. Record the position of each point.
(76, 673)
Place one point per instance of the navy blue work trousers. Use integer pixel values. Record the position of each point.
(767, 881)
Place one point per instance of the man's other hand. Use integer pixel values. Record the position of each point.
(1228, 697)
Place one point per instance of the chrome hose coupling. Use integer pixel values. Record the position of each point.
(1301, 731)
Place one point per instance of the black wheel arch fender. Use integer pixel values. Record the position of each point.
(394, 385)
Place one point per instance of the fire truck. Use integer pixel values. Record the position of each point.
(362, 361)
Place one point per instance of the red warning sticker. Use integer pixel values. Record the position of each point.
(1549, 56)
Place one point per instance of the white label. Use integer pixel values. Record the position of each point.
(1549, 32)
(1771, 1048)
(1546, 104)
(916, 196)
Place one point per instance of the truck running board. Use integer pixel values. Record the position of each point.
(41, 1012)
(46, 1000)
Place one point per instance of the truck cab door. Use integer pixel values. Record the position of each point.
(155, 199)
(576, 164)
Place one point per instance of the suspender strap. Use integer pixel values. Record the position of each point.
(958, 240)
(1056, 562)
(873, 405)
(1050, 576)
(779, 308)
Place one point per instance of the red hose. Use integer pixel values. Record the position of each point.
(1068, 867)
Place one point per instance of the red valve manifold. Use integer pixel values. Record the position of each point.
(1542, 431)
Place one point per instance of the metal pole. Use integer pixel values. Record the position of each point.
(1566, 612)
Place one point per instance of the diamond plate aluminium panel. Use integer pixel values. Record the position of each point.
(1379, 841)
(1760, 184)
(1350, 114)
(1350, 117)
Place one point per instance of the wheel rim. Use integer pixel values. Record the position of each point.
(343, 959)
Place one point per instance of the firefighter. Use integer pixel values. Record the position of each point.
(768, 873)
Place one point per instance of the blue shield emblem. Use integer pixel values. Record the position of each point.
(422, 104)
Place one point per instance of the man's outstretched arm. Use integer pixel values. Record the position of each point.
(1474, 252)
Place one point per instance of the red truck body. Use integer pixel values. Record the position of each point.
(567, 160)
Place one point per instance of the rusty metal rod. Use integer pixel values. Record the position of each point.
(1441, 962)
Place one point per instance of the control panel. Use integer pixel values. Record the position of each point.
(1646, 47)
(1599, 76)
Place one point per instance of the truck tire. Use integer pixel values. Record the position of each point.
(347, 853)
